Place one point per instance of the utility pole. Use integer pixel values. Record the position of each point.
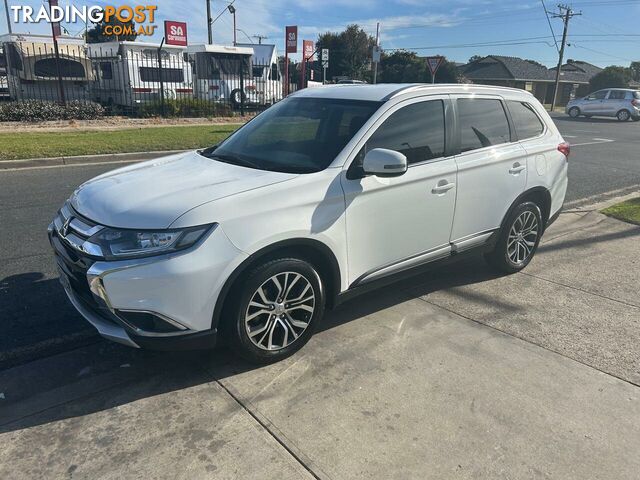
(209, 22)
(6, 6)
(566, 13)
(375, 64)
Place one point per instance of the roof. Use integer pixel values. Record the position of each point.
(497, 67)
(263, 53)
(577, 71)
(384, 91)
(219, 49)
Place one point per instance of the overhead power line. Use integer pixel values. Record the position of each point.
(544, 7)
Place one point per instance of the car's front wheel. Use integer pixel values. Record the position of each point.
(275, 309)
(518, 240)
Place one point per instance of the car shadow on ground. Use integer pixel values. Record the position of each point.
(151, 373)
(568, 119)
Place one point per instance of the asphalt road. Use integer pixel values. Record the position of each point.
(36, 319)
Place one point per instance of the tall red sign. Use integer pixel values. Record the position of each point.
(291, 39)
(308, 52)
(175, 33)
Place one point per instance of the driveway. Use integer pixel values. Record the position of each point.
(453, 374)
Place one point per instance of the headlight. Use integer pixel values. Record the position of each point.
(117, 244)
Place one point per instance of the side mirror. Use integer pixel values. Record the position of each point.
(384, 163)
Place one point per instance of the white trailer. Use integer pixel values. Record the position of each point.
(33, 71)
(223, 74)
(128, 74)
(266, 71)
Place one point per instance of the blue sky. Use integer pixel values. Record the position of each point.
(604, 34)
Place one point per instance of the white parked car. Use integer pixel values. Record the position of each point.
(328, 193)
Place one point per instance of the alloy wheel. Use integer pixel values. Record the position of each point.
(280, 310)
(623, 115)
(522, 237)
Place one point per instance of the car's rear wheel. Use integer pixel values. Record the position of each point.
(518, 240)
(574, 112)
(623, 115)
(275, 309)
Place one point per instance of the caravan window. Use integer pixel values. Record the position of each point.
(257, 72)
(151, 74)
(216, 66)
(106, 71)
(275, 73)
(68, 68)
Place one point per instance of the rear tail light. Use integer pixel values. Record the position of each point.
(250, 88)
(184, 90)
(141, 90)
(565, 149)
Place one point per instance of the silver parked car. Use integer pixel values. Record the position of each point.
(615, 102)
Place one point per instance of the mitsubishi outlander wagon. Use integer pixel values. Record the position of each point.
(328, 193)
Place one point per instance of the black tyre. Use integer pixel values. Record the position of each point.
(623, 115)
(518, 240)
(237, 98)
(574, 112)
(275, 309)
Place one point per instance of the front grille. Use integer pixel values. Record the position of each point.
(73, 230)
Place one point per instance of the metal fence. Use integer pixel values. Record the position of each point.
(134, 80)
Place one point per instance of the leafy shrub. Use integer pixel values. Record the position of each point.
(186, 107)
(38, 111)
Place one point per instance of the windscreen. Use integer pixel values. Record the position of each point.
(297, 135)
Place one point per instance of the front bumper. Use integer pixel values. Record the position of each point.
(182, 288)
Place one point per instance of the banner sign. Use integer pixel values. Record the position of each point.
(308, 50)
(175, 33)
(291, 39)
(434, 64)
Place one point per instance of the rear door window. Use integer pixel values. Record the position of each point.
(482, 122)
(617, 95)
(526, 122)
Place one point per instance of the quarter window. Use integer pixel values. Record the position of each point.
(483, 123)
(417, 131)
(525, 120)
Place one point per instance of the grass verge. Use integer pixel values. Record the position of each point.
(628, 211)
(19, 145)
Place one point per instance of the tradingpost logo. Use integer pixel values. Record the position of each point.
(119, 21)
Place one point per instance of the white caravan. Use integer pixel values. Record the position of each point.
(223, 74)
(128, 73)
(32, 69)
(267, 78)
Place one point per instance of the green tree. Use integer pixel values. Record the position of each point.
(96, 33)
(611, 77)
(349, 53)
(402, 66)
(475, 57)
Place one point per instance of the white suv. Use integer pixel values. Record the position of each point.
(332, 191)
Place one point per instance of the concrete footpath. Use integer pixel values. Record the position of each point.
(453, 374)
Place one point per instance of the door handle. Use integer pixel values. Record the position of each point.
(442, 187)
(516, 169)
